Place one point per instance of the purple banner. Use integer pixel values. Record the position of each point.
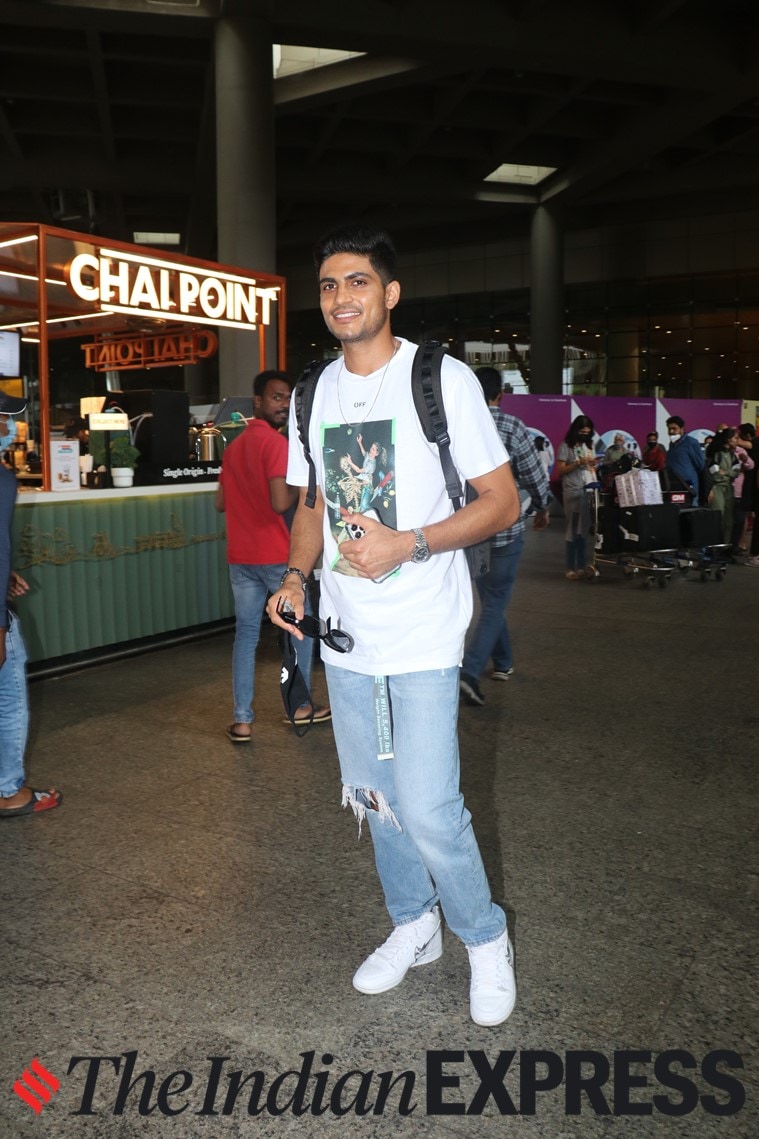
(617, 415)
(546, 415)
(702, 416)
(633, 417)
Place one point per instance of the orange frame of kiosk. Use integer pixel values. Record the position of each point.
(56, 283)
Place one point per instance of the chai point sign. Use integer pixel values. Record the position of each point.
(141, 350)
(138, 285)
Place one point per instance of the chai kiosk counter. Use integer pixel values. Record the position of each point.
(106, 564)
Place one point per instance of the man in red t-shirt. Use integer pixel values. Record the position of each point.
(255, 497)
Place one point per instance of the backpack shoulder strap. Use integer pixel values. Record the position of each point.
(303, 398)
(427, 390)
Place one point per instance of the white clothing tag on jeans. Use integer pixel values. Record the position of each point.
(382, 719)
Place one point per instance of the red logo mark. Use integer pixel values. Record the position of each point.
(36, 1091)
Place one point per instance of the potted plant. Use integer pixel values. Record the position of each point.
(122, 456)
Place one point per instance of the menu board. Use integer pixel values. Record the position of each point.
(9, 354)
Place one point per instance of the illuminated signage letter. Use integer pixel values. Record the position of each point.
(244, 302)
(144, 290)
(188, 292)
(164, 280)
(211, 308)
(114, 283)
(81, 262)
(267, 296)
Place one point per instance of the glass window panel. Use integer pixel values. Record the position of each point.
(747, 337)
(510, 305)
(718, 316)
(748, 366)
(714, 288)
(667, 340)
(586, 321)
(585, 296)
(620, 320)
(623, 369)
(632, 295)
(669, 292)
(670, 318)
(714, 340)
(748, 287)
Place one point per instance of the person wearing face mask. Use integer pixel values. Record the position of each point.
(576, 466)
(616, 451)
(654, 456)
(685, 458)
(16, 798)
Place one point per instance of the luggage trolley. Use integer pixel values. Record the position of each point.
(651, 566)
(702, 533)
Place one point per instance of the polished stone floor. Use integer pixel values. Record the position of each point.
(195, 899)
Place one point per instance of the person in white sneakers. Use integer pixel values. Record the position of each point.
(396, 579)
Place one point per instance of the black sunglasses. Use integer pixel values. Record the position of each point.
(336, 639)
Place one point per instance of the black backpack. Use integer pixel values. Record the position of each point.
(428, 401)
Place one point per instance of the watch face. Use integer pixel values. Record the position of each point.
(422, 551)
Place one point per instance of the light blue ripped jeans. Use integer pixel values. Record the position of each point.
(14, 711)
(424, 844)
(251, 585)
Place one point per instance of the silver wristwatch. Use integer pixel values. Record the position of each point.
(421, 551)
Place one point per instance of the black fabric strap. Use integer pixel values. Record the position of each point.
(428, 399)
(293, 687)
(303, 398)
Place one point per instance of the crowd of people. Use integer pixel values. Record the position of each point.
(720, 474)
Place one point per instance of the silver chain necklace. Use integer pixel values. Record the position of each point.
(343, 417)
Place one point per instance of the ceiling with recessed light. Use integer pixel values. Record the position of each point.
(634, 109)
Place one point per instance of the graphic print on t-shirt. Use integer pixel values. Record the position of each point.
(359, 475)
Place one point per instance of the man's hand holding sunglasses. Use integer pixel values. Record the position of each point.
(337, 639)
(290, 598)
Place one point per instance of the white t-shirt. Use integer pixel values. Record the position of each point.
(417, 618)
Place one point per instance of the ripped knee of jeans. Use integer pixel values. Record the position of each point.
(363, 799)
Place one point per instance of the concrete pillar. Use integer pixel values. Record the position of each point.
(546, 303)
(245, 174)
(623, 363)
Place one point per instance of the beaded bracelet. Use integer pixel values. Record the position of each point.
(295, 570)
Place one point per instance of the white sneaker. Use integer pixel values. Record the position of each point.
(414, 943)
(493, 992)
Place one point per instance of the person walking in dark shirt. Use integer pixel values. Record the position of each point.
(491, 637)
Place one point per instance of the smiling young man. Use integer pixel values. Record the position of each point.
(253, 494)
(402, 590)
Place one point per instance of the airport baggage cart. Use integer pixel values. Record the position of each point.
(701, 536)
(651, 543)
(619, 538)
(646, 528)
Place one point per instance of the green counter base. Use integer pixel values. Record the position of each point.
(110, 567)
